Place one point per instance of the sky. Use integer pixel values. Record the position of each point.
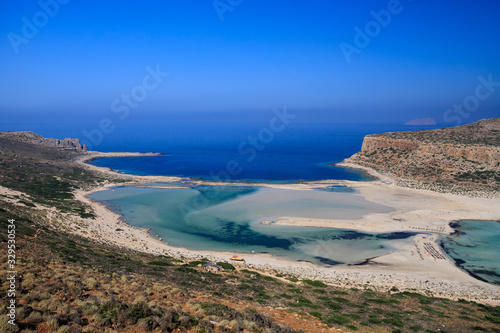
(328, 61)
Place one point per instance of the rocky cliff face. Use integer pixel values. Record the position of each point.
(66, 143)
(371, 143)
(34, 138)
(488, 155)
(466, 155)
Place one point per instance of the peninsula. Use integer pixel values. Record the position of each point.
(463, 160)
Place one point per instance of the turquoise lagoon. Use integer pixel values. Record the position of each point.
(475, 247)
(227, 218)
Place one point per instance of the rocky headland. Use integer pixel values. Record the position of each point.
(36, 139)
(463, 159)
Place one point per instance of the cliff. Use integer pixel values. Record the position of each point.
(465, 156)
(33, 138)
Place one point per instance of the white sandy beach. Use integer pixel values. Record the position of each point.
(415, 265)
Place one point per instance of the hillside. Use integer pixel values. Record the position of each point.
(462, 159)
(71, 284)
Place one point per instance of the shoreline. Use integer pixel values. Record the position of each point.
(403, 268)
(92, 155)
(409, 267)
(87, 157)
(369, 171)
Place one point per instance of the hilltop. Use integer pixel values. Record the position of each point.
(463, 159)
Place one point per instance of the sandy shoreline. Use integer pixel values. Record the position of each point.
(92, 155)
(413, 266)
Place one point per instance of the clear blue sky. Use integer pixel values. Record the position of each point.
(264, 54)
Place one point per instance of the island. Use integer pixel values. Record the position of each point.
(419, 122)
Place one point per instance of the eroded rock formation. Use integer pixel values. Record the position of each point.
(34, 138)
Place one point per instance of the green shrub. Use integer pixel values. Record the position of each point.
(227, 266)
(140, 310)
(268, 278)
(197, 262)
(338, 319)
(494, 319)
(393, 321)
(332, 305)
(185, 269)
(319, 291)
(159, 263)
(316, 314)
(314, 283)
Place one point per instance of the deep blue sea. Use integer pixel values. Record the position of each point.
(242, 151)
(207, 147)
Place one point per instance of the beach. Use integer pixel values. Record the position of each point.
(418, 265)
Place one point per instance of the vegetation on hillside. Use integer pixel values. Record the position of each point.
(70, 284)
(46, 175)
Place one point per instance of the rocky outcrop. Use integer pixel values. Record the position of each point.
(66, 143)
(466, 155)
(34, 138)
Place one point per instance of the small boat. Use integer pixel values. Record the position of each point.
(236, 258)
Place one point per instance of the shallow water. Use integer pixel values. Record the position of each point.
(475, 247)
(228, 219)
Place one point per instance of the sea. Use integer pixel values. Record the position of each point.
(243, 151)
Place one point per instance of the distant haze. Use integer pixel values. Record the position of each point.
(351, 61)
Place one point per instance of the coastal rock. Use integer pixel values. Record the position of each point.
(464, 155)
(66, 143)
(34, 138)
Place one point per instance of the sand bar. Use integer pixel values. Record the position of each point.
(413, 266)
